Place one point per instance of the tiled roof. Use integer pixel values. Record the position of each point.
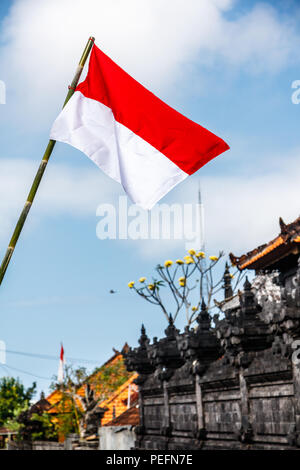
(54, 398)
(130, 417)
(40, 406)
(261, 257)
(116, 404)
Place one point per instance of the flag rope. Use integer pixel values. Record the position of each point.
(42, 167)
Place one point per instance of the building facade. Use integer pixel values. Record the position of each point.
(233, 384)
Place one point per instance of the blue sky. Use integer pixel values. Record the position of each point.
(227, 65)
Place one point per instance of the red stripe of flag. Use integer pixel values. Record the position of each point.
(185, 143)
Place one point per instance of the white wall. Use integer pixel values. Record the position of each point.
(116, 437)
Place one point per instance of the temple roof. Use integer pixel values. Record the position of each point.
(286, 243)
(102, 373)
(116, 403)
(130, 417)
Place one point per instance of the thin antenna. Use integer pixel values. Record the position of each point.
(201, 219)
(203, 284)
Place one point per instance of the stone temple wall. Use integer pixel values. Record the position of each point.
(235, 385)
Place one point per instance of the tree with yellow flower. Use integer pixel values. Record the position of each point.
(189, 280)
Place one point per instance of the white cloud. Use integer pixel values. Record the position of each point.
(152, 39)
(241, 211)
(260, 40)
(64, 190)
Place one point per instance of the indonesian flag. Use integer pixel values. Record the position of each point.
(60, 374)
(133, 136)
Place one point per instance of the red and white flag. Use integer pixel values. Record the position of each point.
(133, 136)
(60, 374)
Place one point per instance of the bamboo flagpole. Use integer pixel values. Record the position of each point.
(42, 167)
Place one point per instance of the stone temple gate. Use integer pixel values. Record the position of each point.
(234, 385)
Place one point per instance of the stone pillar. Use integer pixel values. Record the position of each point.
(140, 429)
(70, 440)
(245, 433)
(294, 434)
(166, 429)
(199, 405)
(141, 408)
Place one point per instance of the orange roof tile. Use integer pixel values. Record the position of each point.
(278, 241)
(267, 254)
(117, 402)
(130, 417)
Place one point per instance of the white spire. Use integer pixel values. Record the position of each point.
(60, 375)
(201, 219)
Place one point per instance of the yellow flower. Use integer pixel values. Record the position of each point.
(179, 261)
(214, 258)
(200, 254)
(194, 309)
(192, 252)
(189, 260)
(232, 276)
(142, 279)
(182, 281)
(130, 284)
(151, 286)
(168, 263)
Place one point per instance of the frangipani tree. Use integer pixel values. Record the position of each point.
(82, 392)
(190, 281)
